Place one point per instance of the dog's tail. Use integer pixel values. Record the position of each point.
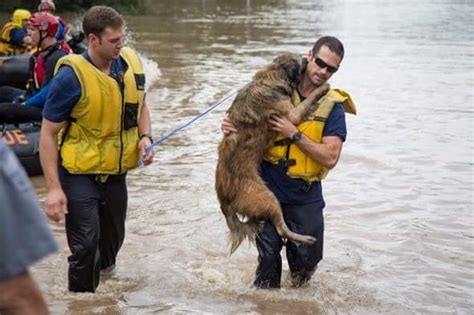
(239, 231)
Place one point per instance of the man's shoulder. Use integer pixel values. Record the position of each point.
(337, 112)
(338, 108)
(17, 30)
(65, 81)
(65, 73)
(55, 56)
(17, 35)
(59, 51)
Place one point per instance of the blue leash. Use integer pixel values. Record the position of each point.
(174, 131)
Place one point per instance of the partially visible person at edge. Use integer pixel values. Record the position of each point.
(27, 105)
(97, 100)
(14, 38)
(294, 167)
(25, 238)
(48, 6)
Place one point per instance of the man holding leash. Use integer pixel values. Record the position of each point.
(96, 104)
(294, 167)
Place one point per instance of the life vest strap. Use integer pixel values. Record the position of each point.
(319, 118)
(285, 163)
(140, 80)
(282, 142)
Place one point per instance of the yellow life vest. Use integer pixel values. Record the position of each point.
(290, 155)
(6, 48)
(101, 136)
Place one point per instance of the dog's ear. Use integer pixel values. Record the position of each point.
(293, 65)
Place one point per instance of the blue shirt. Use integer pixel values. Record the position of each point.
(60, 33)
(25, 237)
(297, 191)
(17, 35)
(39, 98)
(65, 90)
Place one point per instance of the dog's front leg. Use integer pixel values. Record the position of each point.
(309, 105)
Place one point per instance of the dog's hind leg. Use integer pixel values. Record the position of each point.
(239, 231)
(283, 230)
(259, 204)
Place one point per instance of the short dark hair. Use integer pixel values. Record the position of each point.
(330, 42)
(98, 18)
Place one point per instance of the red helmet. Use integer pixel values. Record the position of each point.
(46, 6)
(45, 22)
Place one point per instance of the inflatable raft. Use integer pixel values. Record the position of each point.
(23, 139)
(14, 70)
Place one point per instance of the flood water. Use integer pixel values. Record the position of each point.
(399, 221)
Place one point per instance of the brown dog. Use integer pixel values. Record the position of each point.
(240, 189)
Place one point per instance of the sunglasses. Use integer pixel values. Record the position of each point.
(323, 65)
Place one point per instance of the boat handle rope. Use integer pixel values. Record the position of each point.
(174, 131)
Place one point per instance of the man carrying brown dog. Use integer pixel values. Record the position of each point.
(294, 167)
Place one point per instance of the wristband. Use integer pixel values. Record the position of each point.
(147, 135)
(296, 136)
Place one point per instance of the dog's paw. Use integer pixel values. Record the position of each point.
(304, 240)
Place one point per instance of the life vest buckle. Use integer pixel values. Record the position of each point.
(306, 187)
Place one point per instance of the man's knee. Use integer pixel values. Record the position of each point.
(86, 246)
(20, 295)
(301, 277)
(303, 261)
(269, 261)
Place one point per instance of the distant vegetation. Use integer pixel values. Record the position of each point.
(128, 6)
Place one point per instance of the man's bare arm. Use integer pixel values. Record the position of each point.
(56, 202)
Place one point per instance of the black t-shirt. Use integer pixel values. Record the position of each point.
(50, 64)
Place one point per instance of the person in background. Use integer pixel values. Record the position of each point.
(73, 39)
(97, 100)
(27, 105)
(295, 165)
(25, 238)
(14, 38)
(48, 6)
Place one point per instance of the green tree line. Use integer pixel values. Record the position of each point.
(128, 6)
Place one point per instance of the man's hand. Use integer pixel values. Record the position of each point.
(227, 126)
(283, 126)
(142, 145)
(56, 204)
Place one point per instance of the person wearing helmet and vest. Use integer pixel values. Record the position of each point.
(48, 6)
(96, 103)
(14, 38)
(295, 165)
(27, 105)
(75, 39)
